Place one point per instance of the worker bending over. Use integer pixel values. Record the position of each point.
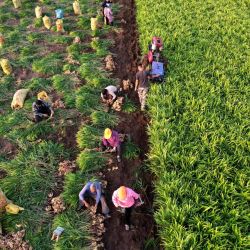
(126, 198)
(41, 110)
(111, 141)
(109, 94)
(94, 190)
(142, 85)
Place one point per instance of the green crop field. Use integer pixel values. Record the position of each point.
(199, 133)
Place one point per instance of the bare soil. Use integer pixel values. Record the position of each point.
(126, 57)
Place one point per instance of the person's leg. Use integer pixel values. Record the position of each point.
(128, 215)
(38, 118)
(119, 152)
(143, 98)
(140, 90)
(106, 21)
(105, 209)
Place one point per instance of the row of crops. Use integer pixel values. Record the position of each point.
(199, 133)
(60, 67)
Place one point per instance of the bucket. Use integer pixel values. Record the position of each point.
(5, 64)
(38, 12)
(47, 22)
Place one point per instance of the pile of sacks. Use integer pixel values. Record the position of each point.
(66, 167)
(14, 241)
(56, 205)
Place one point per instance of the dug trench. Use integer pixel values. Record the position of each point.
(126, 55)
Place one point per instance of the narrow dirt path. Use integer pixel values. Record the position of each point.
(127, 53)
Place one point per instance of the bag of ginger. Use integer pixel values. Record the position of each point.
(47, 22)
(76, 7)
(38, 12)
(17, 3)
(5, 64)
(94, 23)
(18, 98)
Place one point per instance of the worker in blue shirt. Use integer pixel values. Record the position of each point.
(94, 190)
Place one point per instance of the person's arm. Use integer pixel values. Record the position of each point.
(113, 95)
(134, 194)
(51, 112)
(114, 199)
(136, 82)
(82, 193)
(98, 192)
(35, 110)
(104, 142)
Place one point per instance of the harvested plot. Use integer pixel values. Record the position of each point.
(199, 133)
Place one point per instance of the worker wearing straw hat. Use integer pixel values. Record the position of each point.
(111, 142)
(126, 198)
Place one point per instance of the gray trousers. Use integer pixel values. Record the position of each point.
(105, 209)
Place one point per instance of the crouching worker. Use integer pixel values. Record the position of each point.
(41, 110)
(109, 95)
(94, 190)
(126, 198)
(111, 142)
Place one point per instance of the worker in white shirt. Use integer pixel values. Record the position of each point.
(109, 95)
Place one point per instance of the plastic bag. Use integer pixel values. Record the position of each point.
(76, 7)
(59, 13)
(1, 40)
(18, 98)
(94, 23)
(47, 22)
(38, 12)
(59, 25)
(17, 3)
(5, 64)
(13, 209)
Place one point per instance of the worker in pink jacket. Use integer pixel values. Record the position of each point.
(111, 142)
(108, 15)
(126, 198)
